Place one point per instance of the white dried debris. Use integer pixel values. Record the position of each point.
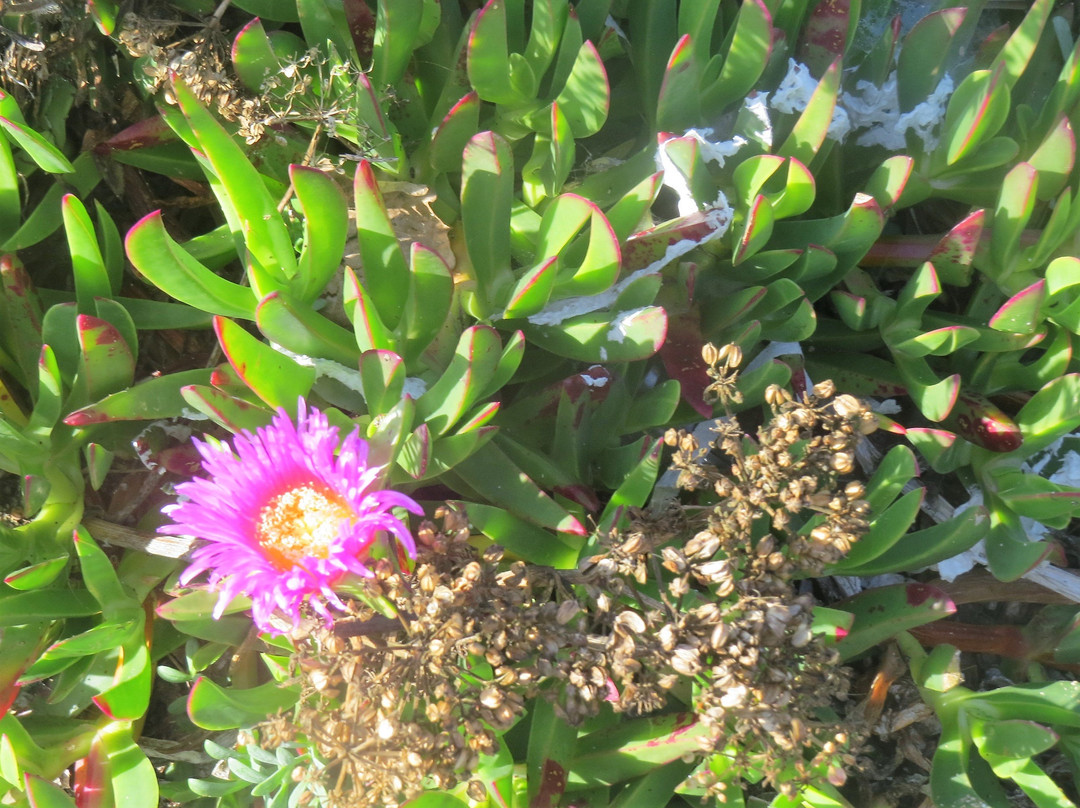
(871, 108)
(877, 109)
(794, 93)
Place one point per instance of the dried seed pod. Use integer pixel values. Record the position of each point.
(843, 462)
(628, 623)
(567, 610)
(847, 406)
(731, 355)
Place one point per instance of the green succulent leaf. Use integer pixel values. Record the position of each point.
(326, 222)
(92, 278)
(1015, 56)
(495, 477)
(677, 106)
(230, 412)
(303, 331)
(489, 66)
(272, 376)
(585, 97)
(213, 707)
(171, 269)
(1015, 206)
(478, 352)
(634, 748)
(1009, 552)
(749, 46)
(258, 223)
(885, 530)
(922, 548)
(810, 129)
(976, 112)
(486, 201)
(521, 538)
(45, 154)
(1054, 159)
(149, 400)
(603, 336)
(106, 362)
(886, 611)
(921, 62)
(451, 136)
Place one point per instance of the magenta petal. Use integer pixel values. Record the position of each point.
(225, 509)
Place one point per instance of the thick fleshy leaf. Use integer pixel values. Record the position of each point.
(37, 575)
(602, 336)
(382, 374)
(47, 604)
(45, 154)
(977, 419)
(635, 747)
(42, 794)
(826, 33)
(21, 325)
(261, 228)
(585, 97)
(326, 224)
(478, 351)
(890, 181)
(1054, 159)
(232, 413)
(123, 764)
(1014, 57)
(274, 377)
(91, 276)
(1035, 497)
(533, 289)
(886, 611)
(1063, 291)
(253, 57)
(171, 269)
(551, 747)
(1009, 552)
(213, 707)
(1015, 206)
(1050, 413)
(106, 362)
(368, 327)
(747, 56)
(759, 227)
(486, 200)
(385, 274)
(496, 478)
(921, 62)
(677, 107)
(886, 529)
(634, 490)
(809, 132)
(521, 538)
(454, 132)
(304, 331)
(150, 400)
(921, 548)
(490, 71)
(953, 255)
(977, 110)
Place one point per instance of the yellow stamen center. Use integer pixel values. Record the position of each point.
(300, 523)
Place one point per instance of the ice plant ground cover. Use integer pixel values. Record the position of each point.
(594, 403)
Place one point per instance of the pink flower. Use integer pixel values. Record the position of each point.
(287, 512)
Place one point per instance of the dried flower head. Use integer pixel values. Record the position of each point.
(287, 512)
